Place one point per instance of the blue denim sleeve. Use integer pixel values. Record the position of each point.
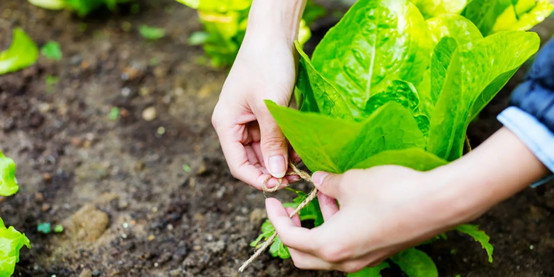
(536, 94)
(531, 117)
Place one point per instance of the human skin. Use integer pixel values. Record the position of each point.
(253, 145)
(386, 209)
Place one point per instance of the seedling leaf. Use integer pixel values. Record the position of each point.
(370, 271)
(415, 263)
(52, 51)
(479, 236)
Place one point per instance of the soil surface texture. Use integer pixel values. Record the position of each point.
(148, 193)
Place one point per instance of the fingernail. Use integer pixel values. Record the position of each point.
(277, 166)
(318, 177)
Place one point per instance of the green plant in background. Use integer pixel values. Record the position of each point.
(11, 241)
(224, 23)
(81, 7)
(398, 89)
(151, 33)
(23, 52)
(52, 51)
(491, 16)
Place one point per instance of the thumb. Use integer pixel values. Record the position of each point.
(273, 144)
(328, 183)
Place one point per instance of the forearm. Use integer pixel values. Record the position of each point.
(276, 19)
(494, 171)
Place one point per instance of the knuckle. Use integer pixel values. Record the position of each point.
(273, 143)
(334, 253)
(353, 266)
(215, 119)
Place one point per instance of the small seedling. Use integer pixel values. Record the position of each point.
(151, 33)
(44, 227)
(52, 51)
(114, 114)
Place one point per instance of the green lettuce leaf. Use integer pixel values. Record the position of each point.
(455, 26)
(84, 7)
(492, 16)
(49, 4)
(220, 6)
(11, 241)
(484, 13)
(523, 18)
(479, 236)
(370, 271)
(23, 52)
(475, 74)
(316, 94)
(8, 182)
(371, 46)
(337, 145)
(432, 8)
(415, 263)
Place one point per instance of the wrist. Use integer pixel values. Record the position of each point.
(275, 20)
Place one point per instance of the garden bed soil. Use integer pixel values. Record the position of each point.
(154, 197)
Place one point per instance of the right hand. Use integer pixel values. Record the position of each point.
(252, 142)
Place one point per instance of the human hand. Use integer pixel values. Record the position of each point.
(386, 209)
(252, 142)
(383, 210)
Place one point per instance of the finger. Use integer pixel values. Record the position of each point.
(328, 183)
(304, 260)
(256, 158)
(273, 143)
(291, 235)
(328, 205)
(295, 218)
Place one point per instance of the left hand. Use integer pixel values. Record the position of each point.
(383, 210)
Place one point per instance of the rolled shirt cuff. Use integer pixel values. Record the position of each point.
(532, 132)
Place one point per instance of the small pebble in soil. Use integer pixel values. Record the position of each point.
(126, 91)
(160, 131)
(149, 114)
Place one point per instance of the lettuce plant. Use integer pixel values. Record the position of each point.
(224, 23)
(23, 52)
(11, 241)
(80, 7)
(491, 16)
(388, 85)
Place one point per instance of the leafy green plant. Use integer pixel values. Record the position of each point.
(387, 86)
(224, 23)
(151, 33)
(11, 241)
(23, 52)
(52, 50)
(491, 16)
(81, 7)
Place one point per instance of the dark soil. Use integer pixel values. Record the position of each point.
(123, 189)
